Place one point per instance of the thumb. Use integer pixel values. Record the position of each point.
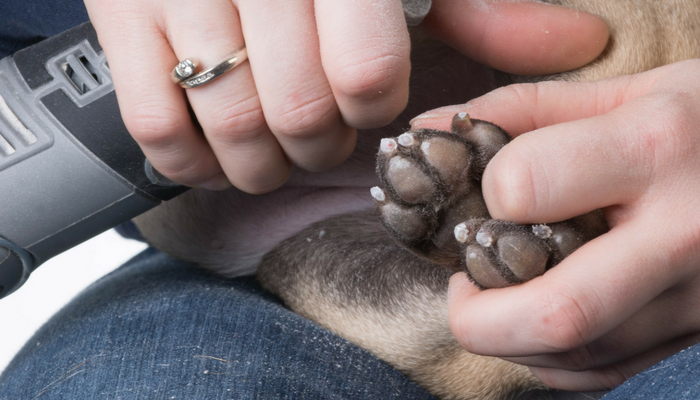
(524, 38)
(579, 153)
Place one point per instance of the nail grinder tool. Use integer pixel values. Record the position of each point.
(69, 169)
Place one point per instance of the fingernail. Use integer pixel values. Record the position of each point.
(219, 182)
(429, 116)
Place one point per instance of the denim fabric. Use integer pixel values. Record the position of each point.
(158, 328)
(675, 378)
(25, 22)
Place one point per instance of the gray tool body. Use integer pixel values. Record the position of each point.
(68, 168)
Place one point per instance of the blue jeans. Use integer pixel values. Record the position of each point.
(158, 328)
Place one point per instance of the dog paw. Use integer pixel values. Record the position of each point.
(432, 203)
(501, 253)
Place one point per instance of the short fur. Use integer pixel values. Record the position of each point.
(316, 246)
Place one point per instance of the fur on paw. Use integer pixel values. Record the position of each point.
(432, 203)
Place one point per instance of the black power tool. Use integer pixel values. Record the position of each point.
(69, 169)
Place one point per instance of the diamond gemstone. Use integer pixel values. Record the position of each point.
(185, 68)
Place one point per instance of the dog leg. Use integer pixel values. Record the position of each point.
(348, 275)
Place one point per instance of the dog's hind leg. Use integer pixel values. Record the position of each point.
(348, 275)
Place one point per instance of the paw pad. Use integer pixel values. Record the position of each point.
(431, 202)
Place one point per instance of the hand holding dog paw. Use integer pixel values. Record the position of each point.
(629, 298)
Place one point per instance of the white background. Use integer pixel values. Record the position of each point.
(54, 283)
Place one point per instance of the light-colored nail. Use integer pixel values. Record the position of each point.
(377, 193)
(407, 139)
(485, 239)
(388, 146)
(461, 232)
(542, 231)
(462, 122)
(429, 116)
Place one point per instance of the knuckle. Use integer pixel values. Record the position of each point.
(660, 145)
(566, 323)
(302, 118)
(678, 127)
(241, 123)
(154, 126)
(371, 77)
(520, 93)
(182, 174)
(183, 170)
(256, 185)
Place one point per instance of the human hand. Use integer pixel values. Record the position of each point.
(318, 70)
(296, 101)
(629, 298)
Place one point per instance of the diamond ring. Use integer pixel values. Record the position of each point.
(183, 73)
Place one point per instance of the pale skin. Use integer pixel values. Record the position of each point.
(317, 71)
(320, 70)
(629, 298)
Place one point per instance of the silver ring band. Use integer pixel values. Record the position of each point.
(183, 73)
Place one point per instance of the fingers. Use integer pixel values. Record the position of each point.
(296, 97)
(525, 38)
(365, 52)
(523, 108)
(287, 106)
(609, 123)
(620, 151)
(614, 375)
(154, 110)
(620, 302)
(586, 296)
(534, 178)
(229, 108)
(670, 316)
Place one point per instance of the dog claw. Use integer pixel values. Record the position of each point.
(378, 194)
(388, 146)
(485, 239)
(461, 123)
(462, 233)
(542, 231)
(407, 139)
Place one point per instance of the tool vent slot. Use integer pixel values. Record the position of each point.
(27, 136)
(5, 147)
(81, 72)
